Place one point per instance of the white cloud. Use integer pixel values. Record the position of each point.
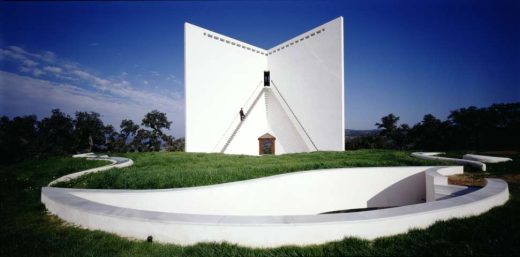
(37, 72)
(145, 82)
(48, 56)
(30, 63)
(22, 95)
(6, 53)
(25, 69)
(53, 69)
(72, 77)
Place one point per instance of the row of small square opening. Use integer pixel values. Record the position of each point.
(234, 43)
(315, 33)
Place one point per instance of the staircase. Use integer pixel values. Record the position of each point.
(237, 128)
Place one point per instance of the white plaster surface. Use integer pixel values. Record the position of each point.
(433, 156)
(116, 162)
(278, 210)
(485, 158)
(223, 74)
(309, 75)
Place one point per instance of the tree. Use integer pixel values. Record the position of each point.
(156, 121)
(471, 126)
(430, 133)
(18, 138)
(173, 145)
(112, 140)
(128, 130)
(89, 132)
(388, 127)
(401, 137)
(56, 133)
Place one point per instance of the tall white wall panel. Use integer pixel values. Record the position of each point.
(224, 74)
(219, 77)
(309, 75)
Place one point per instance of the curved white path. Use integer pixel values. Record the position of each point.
(477, 161)
(283, 209)
(433, 156)
(485, 158)
(116, 162)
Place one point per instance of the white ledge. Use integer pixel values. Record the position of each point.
(116, 162)
(433, 156)
(485, 158)
(282, 209)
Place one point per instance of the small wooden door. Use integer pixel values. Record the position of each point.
(266, 144)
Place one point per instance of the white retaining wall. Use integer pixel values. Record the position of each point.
(274, 211)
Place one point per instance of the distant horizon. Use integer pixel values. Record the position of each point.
(124, 59)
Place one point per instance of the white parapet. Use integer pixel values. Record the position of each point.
(279, 210)
(116, 162)
(433, 156)
(485, 158)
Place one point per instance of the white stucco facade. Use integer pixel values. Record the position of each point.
(303, 107)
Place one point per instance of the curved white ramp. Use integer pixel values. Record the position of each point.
(485, 158)
(280, 210)
(433, 156)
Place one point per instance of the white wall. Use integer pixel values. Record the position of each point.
(288, 138)
(309, 74)
(178, 215)
(220, 78)
(302, 193)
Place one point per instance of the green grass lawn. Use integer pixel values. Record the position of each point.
(173, 170)
(26, 229)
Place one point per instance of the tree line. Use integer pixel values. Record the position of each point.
(27, 137)
(496, 127)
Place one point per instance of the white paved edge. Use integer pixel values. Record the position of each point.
(485, 158)
(432, 156)
(268, 231)
(116, 162)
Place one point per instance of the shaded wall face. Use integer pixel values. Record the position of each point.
(309, 75)
(288, 139)
(312, 192)
(220, 77)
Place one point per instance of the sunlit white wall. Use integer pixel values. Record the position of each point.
(224, 74)
(220, 73)
(308, 71)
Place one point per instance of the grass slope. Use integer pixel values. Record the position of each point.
(26, 229)
(173, 170)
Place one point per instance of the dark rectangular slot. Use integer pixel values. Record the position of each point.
(267, 79)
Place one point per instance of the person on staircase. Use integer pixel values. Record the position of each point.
(242, 115)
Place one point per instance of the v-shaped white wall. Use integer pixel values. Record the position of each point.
(303, 108)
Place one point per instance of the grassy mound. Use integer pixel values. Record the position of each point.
(173, 170)
(27, 230)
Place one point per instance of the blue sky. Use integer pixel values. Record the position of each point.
(123, 59)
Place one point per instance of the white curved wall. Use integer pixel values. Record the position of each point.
(301, 193)
(129, 213)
